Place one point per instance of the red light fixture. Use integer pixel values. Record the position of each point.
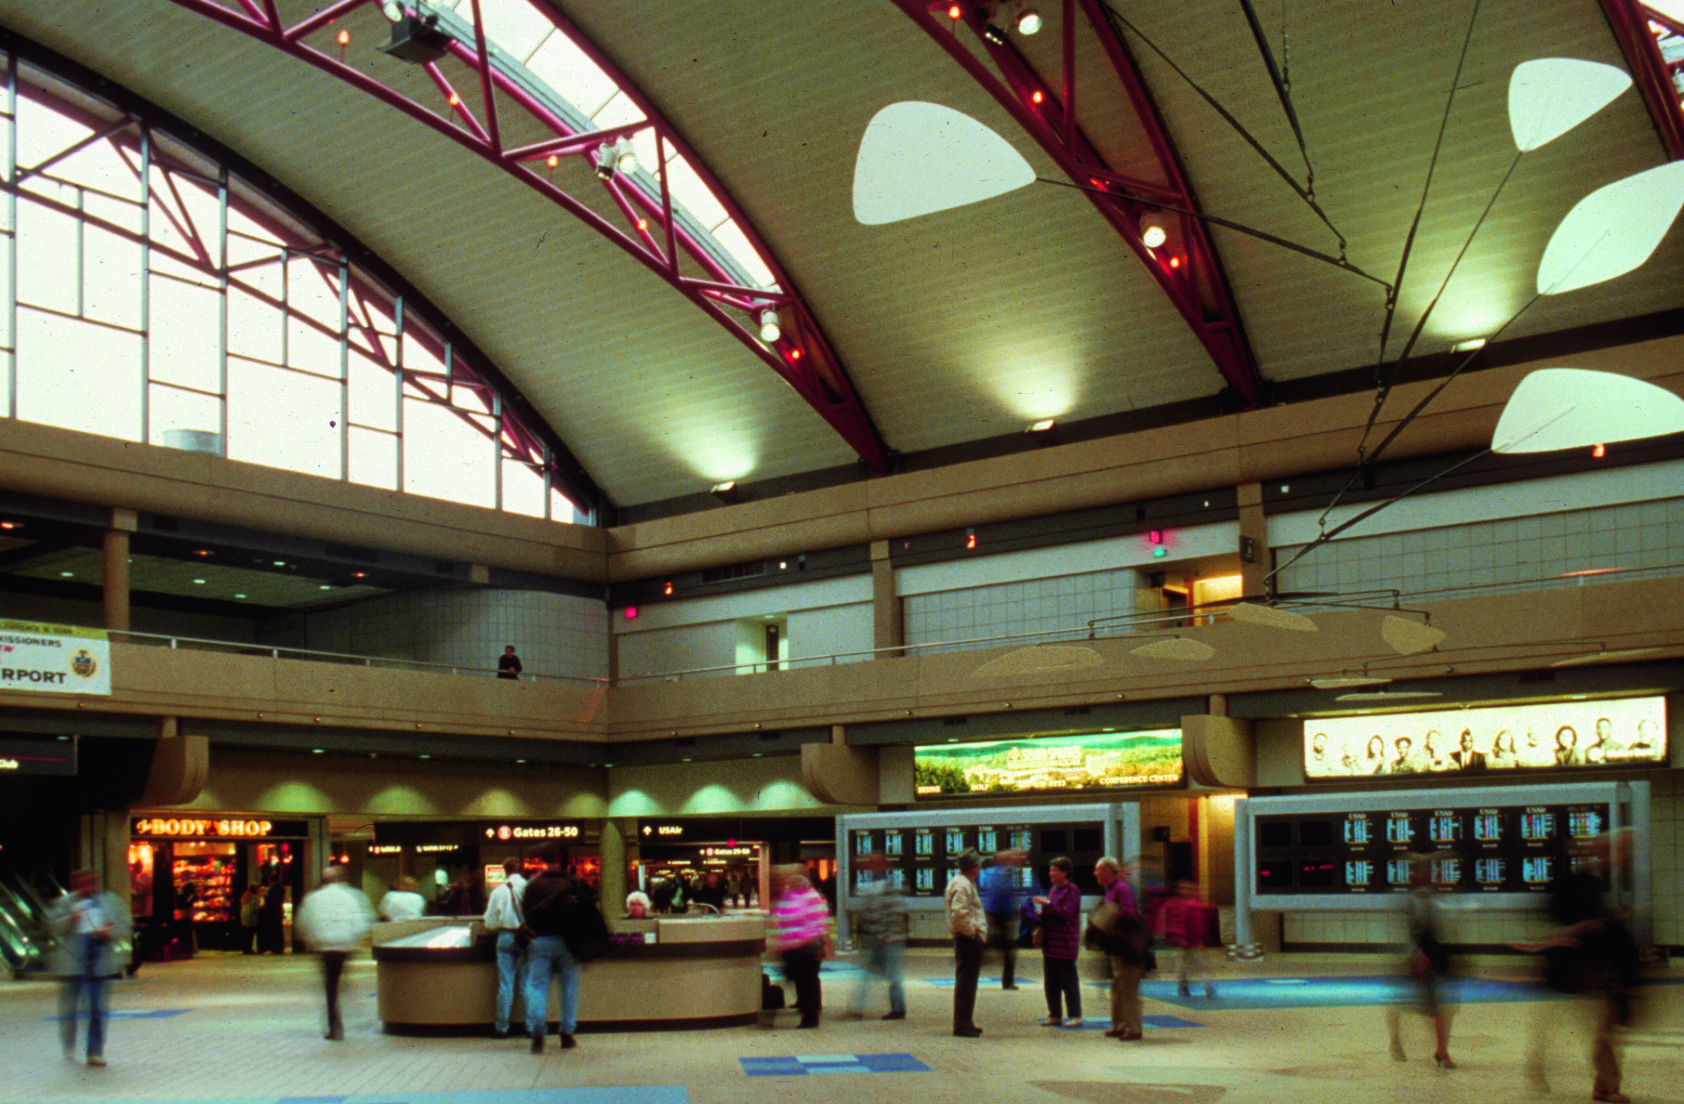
(631, 613)
(1036, 96)
(1156, 536)
(955, 12)
(1599, 451)
(344, 38)
(667, 589)
(970, 538)
(1175, 262)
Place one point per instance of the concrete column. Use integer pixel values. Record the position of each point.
(887, 621)
(612, 848)
(115, 591)
(1253, 527)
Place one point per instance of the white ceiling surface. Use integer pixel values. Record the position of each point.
(961, 325)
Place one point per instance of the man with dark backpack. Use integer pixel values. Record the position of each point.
(566, 929)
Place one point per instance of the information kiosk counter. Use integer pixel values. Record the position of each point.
(439, 976)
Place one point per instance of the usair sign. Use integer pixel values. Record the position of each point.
(54, 659)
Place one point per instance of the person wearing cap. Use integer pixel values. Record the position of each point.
(968, 925)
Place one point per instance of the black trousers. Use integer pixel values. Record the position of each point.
(801, 966)
(1002, 936)
(333, 965)
(967, 967)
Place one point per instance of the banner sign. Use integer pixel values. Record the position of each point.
(54, 659)
(56, 755)
(1049, 764)
(1569, 735)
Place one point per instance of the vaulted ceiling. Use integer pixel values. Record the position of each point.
(956, 329)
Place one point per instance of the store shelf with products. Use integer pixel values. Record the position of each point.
(210, 868)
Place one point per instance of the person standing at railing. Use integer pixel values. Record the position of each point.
(508, 664)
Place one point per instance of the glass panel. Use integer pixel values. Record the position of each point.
(514, 25)
(445, 455)
(563, 509)
(254, 327)
(184, 216)
(78, 375)
(112, 270)
(690, 193)
(313, 348)
(99, 167)
(46, 256)
(283, 419)
(5, 285)
(523, 489)
(737, 245)
(185, 419)
(43, 132)
(186, 331)
(374, 458)
(579, 80)
(372, 395)
(5, 385)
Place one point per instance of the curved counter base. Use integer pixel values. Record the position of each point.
(702, 974)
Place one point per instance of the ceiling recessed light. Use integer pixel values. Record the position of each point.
(520, 760)
(318, 751)
(426, 756)
(198, 582)
(325, 586)
(67, 574)
(1388, 695)
(239, 595)
(280, 563)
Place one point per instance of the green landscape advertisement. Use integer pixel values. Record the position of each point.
(1049, 764)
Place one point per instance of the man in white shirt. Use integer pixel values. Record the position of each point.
(969, 927)
(403, 903)
(334, 920)
(503, 918)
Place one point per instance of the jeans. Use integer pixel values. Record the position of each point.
(548, 957)
(1059, 979)
(885, 961)
(511, 975)
(84, 985)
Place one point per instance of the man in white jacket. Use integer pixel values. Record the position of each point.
(503, 918)
(334, 921)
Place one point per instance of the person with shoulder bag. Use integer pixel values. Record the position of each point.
(1116, 930)
(549, 956)
(505, 921)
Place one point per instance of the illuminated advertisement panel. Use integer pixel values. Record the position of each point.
(1555, 736)
(1049, 764)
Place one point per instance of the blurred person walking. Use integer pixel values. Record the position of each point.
(333, 921)
(90, 925)
(800, 931)
(1594, 958)
(503, 919)
(1002, 897)
(968, 925)
(882, 926)
(1060, 938)
(1184, 923)
(1428, 964)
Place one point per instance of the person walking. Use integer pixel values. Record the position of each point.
(333, 921)
(1184, 923)
(1428, 962)
(883, 927)
(503, 919)
(968, 925)
(271, 918)
(1061, 942)
(1125, 940)
(544, 903)
(801, 927)
(1001, 899)
(90, 925)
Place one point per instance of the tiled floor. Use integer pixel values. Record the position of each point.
(1288, 1030)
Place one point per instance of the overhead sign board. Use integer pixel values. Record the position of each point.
(1081, 763)
(54, 659)
(45, 756)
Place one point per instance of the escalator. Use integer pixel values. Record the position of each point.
(25, 937)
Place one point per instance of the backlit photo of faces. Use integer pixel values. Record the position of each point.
(1557, 736)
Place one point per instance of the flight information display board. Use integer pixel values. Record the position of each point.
(921, 858)
(1498, 848)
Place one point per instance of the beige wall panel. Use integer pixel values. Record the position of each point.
(697, 789)
(1482, 636)
(267, 782)
(59, 463)
(196, 685)
(788, 524)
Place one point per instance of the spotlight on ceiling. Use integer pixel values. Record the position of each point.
(770, 331)
(1045, 425)
(415, 39)
(604, 162)
(625, 158)
(995, 33)
(1469, 345)
(726, 491)
(1028, 21)
(1152, 232)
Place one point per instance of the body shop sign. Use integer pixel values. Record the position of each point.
(54, 659)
